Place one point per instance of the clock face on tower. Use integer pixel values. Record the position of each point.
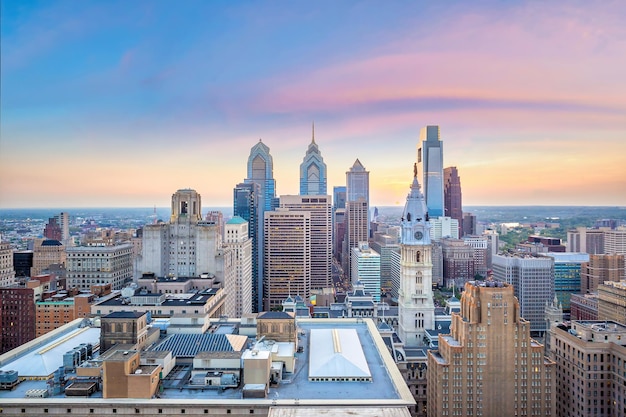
(418, 235)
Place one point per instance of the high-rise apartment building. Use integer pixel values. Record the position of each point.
(612, 301)
(239, 289)
(98, 265)
(587, 240)
(615, 241)
(601, 268)
(313, 171)
(260, 171)
(46, 252)
(357, 210)
(58, 228)
(488, 365)
(319, 206)
(287, 259)
(7, 273)
(416, 310)
(532, 277)
(187, 245)
(246, 205)
(365, 269)
(430, 161)
(452, 195)
(567, 275)
(590, 361)
(17, 316)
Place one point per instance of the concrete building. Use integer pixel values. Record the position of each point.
(313, 170)
(46, 252)
(287, 258)
(488, 365)
(357, 219)
(416, 309)
(583, 239)
(532, 277)
(612, 301)
(458, 262)
(365, 269)
(239, 290)
(567, 275)
(319, 207)
(453, 196)
(601, 268)
(7, 273)
(187, 245)
(480, 244)
(615, 241)
(386, 245)
(430, 162)
(443, 227)
(590, 361)
(97, 265)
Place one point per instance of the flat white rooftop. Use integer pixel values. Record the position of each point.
(337, 354)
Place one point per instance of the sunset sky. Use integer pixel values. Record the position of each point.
(121, 103)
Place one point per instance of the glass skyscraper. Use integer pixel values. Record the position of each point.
(246, 206)
(430, 161)
(313, 171)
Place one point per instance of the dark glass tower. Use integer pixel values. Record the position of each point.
(453, 198)
(246, 206)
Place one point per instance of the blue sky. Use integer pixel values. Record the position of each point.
(109, 103)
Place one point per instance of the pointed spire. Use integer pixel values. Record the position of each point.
(313, 135)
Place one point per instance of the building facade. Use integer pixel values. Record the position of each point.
(17, 317)
(601, 268)
(357, 211)
(46, 252)
(287, 260)
(98, 265)
(239, 290)
(612, 301)
(430, 161)
(7, 273)
(488, 365)
(567, 275)
(453, 196)
(365, 269)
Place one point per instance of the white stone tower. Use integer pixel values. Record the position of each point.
(416, 310)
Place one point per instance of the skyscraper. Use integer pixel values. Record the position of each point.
(453, 197)
(365, 266)
(287, 259)
(430, 160)
(416, 310)
(261, 172)
(321, 233)
(339, 214)
(7, 273)
(488, 365)
(313, 171)
(58, 228)
(246, 205)
(357, 210)
(239, 290)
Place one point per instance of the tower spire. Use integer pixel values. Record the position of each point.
(313, 133)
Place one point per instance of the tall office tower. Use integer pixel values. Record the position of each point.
(357, 211)
(430, 160)
(99, 265)
(458, 262)
(480, 244)
(246, 205)
(532, 278)
(586, 240)
(443, 227)
(339, 213)
(58, 228)
(321, 234)
(601, 268)
(365, 269)
(46, 252)
(7, 273)
(239, 290)
(567, 275)
(469, 224)
(287, 259)
(17, 316)
(416, 310)
(452, 195)
(492, 245)
(615, 241)
(612, 301)
(187, 246)
(488, 365)
(313, 171)
(261, 172)
(590, 368)
(386, 246)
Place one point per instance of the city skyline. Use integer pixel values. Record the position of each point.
(110, 104)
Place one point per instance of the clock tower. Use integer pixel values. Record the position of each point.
(416, 310)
